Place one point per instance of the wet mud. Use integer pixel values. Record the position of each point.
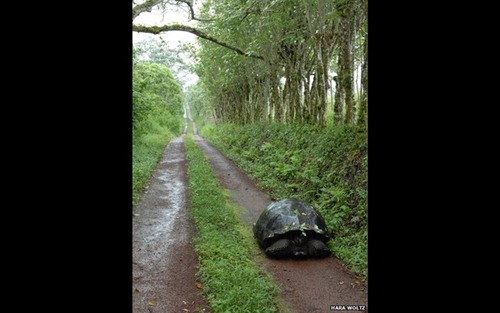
(164, 263)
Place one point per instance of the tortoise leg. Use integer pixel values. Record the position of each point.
(317, 248)
(280, 248)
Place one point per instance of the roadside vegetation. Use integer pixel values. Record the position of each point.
(283, 87)
(327, 166)
(231, 280)
(157, 118)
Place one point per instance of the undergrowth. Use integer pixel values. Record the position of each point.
(149, 142)
(231, 280)
(327, 167)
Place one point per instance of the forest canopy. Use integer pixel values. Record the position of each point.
(280, 60)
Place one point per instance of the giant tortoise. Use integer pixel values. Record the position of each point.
(292, 227)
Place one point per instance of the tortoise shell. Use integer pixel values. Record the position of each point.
(289, 216)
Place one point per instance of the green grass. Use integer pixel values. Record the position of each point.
(231, 280)
(148, 146)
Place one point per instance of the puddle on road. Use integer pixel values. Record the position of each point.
(174, 191)
(162, 206)
(172, 161)
(164, 261)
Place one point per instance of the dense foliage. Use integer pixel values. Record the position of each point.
(197, 101)
(223, 244)
(279, 60)
(310, 52)
(157, 118)
(326, 166)
(155, 91)
(158, 51)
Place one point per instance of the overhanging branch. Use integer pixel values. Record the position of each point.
(191, 10)
(144, 7)
(183, 28)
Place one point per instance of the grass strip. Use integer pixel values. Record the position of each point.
(231, 280)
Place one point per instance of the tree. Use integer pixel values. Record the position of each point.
(149, 5)
(197, 100)
(157, 51)
(155, 91)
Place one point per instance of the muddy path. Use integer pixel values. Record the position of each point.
(164, 263)
(310, 285)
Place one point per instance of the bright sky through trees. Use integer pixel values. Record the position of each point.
(173, 14)
(174, 39)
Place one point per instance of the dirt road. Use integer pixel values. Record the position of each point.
(164, 262)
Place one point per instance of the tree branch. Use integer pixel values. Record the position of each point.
(144, 7)
(176, 27)
(190, 5)
(250, 9)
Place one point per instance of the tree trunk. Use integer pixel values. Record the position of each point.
(346, 75)
(363, 105)
(339, 99)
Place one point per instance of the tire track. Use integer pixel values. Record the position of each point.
(164, 263)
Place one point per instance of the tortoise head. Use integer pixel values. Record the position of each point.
(298, 242)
